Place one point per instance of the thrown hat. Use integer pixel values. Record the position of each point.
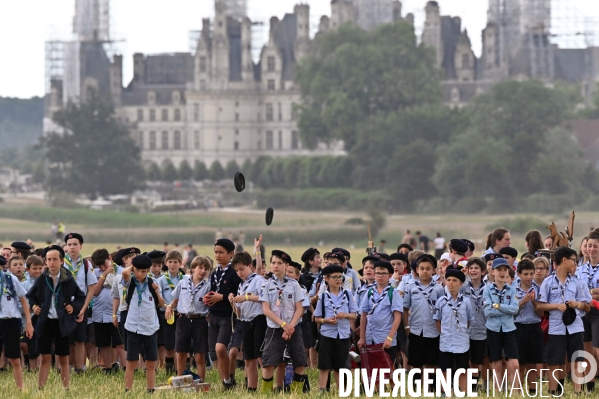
(270, 213)
(569, 316)
(499, 262)
(78, 236)
(374, 259)
(226, 244)
(339, 256)
(239, 181)
(2, 260)
(427, 258)
(330, 269)
(309, 253)
(384, 264)
(458, 245)
(156, 254)
(281, 254)
(453, 272)
(142, 262)
(21, 246)
(469, 243)
(447, 257)
(492, 256)
(513, 252)
(54, 248)
(344, 251)
(398, 256)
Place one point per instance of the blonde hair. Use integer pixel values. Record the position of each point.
(413, 255)
(176, 255)
(542, 260)
(201, 261)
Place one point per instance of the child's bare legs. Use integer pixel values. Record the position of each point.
(181, 360)
(233, 352)
(497, 370)
(131, 366)
(251, 367)
(201, 365)
(161, 356)
(512, 373)
(280, 377)
(17, 372)
(150, 373)
(323, 376)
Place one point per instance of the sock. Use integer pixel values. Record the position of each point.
(26, 360)
(245, 384)
(329, 383)
(267, 385)
(591, 386)
(532, 392)
(169, 364)
(306, 387)
(232, 377)
(227, 381)
(297, 386)
(253, 389)
(560, 388)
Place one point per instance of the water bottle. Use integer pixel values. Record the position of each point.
(289, 371)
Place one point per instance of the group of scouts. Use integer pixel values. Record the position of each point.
(456, 312)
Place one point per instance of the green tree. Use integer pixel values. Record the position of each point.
(216, 171)
(39, 172)
(354, 74)
(231, 169)
(153, 172)
(169, 172)
(93, 154)
(200, 172)
(185, 171)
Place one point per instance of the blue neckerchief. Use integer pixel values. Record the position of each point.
(55, 293)
(141, 288)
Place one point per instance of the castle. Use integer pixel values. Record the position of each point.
(217, 104)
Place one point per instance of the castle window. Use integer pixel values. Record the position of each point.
(152, 140)
(165, 115)
(177, 141)
(280, 140)
(196, 140)
(140, 115)
(236, 132)
(271, 84)
(165, 140)
(237, 117)
(203, 65)
(196, 112)
(271, 64)
(259, 145)
(177, 115)
(236, 146)
(140, 139)
(293, 111)
(465, 60)
(269, 140)
(294, 141)
(280, 112)
(269, 112)
(152, 115)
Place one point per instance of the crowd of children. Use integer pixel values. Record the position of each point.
(128, 310)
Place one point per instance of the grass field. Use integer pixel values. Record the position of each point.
(94, 384)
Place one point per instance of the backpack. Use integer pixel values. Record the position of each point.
(322, 300)
(10, 284)
(130, 292)
(389, 294)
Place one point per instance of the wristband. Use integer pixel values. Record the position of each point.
(322, 320)
(169, 306)
(579, 303)
(102, 276)
(114, 316)
(258, 253)
(246, 297)
(390, 339)
(283, 324)
(406, 328)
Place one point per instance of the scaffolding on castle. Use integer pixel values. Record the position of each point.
(236, 9)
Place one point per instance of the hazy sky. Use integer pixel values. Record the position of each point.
(159, 26)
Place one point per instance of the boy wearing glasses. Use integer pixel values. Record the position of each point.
(335, 312)
(560, 293)
(381, 311)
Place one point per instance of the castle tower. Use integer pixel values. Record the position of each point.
(431, 34)
(302, 44)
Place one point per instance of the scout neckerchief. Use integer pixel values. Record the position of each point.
(246, 284)
(69, 262)
(427, 293)
(141, 288)
(279, 288)
(336, 308)
(383, 295)
(219, 275)
(592, 270)
(2, 287)
(500, 294)
(476, 296)
(54, 292)
(455, 308)
(562, 287)
(170, 283)
(192, 293)
(519, 290)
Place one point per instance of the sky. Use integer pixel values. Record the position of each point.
(162, 26)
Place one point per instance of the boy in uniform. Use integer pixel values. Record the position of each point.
(310, 274)
(566, 302)
(83, 274)
(336, 312)
(419, 302)
(281, 300)
(501, 305)
(251, 324)
(11, 293)
(510, 254)
(223, 282)
(143, 299)
(193, 312)
(453, 317)
(158, 259)
(119, 291)
(106, 333)
(55, 298)
(35, 266)
(528, 325)
(167, 283)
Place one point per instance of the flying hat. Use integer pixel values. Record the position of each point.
(239, 181)
(270, 213)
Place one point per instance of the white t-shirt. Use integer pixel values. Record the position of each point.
(439, 242)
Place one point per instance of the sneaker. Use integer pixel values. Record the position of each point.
(228, 386)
